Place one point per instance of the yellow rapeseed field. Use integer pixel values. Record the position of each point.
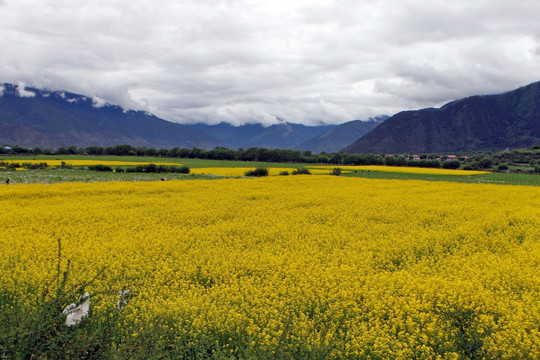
(409, 170)
(332, 267)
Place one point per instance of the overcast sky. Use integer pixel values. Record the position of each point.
(303, 61)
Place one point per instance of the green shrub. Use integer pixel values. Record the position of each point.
(485, 162)
(284, 173)
(153, 168)
(150, 168)
(450, 164)
(301, 171)
(100, 167)
(260, 171)
(336, 171)
(180, 169)
(503, 167)
(11, 166)
(32, 166)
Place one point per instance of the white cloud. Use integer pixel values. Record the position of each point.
(22, 92)
(253, 61)
(98, 102)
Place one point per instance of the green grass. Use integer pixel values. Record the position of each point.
(202, 163)
(55, 175)
(489, 178)
(529, 151)
(520, 167)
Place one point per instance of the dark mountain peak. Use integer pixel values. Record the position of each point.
(476, 123)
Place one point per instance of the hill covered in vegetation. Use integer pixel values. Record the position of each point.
(477, 123)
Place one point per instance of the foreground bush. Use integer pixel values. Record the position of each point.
(37, 326)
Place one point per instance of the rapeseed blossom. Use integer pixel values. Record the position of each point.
(322, 265)
(406, 169)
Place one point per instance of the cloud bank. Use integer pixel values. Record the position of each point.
(303, 61)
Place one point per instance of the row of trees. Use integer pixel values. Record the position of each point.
(260, 155)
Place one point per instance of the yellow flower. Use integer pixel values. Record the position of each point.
(347, 267)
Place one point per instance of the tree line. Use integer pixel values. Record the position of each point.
(258, 154)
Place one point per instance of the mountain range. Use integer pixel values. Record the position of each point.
(476, 123)
(278, 136)
(35, 117)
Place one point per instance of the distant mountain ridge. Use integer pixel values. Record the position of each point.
(34, 117)
(338, 137)
(476, 123)
(278, 136)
